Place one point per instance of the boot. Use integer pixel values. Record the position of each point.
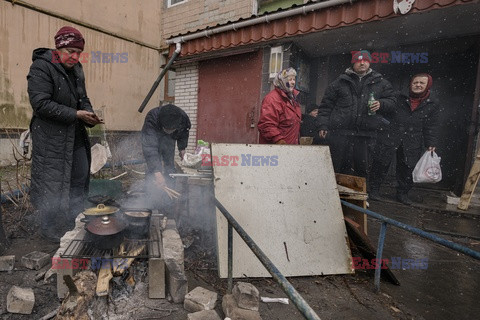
(403, 198)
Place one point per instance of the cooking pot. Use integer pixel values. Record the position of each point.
(138, 221)
(105, 232)
(99, 210)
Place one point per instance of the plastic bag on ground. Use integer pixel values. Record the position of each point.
(427, 169)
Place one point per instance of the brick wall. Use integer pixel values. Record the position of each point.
(186, 97)
(199, 14)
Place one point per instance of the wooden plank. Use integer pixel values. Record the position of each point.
(358, 184)
(470, 184)
(104, 277)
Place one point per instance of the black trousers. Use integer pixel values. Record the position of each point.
(382, 158)
(349, 154)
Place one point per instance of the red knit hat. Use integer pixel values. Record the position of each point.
(69, 37)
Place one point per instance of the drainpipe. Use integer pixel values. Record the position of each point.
(176, 53)
(266, 18)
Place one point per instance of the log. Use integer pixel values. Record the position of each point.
(81, 293)
(104, 277)
(121, 264)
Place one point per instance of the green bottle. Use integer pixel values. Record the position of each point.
(371, 99)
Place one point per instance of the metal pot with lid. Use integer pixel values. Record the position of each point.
(99, 210)
(105, 232)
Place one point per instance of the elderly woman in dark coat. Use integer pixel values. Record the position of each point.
(414, 131)
(61, 150)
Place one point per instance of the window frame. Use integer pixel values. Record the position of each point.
(170, 5)
(275, 50)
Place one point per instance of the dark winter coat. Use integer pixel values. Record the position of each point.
(55, 102)
(280, 118)
(416, 130)
(345, 104)
(158, 146)
(309, 128)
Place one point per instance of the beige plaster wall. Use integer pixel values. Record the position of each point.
(118, 88)
(133, 19)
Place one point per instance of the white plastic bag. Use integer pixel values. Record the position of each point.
(192, 160)
(428, 169)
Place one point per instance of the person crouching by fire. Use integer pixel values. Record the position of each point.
(163, 126)
(61, 148)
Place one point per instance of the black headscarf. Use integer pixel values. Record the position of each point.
(170, 117)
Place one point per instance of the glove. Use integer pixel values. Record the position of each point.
(281, 141)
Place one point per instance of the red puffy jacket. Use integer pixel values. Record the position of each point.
(280, 118)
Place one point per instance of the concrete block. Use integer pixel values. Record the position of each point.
(7, 263)
(204, 315)
(232, 311)
(156, 278)
(172, 246)
(20, 300)
(246, 296)
(177, 283)
(35, 260)
(200, 299)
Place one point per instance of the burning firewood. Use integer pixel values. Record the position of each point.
(121, 264)
(104, 277)
(81, 293)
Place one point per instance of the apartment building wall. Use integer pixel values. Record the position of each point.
(137, 20)
(198, 14)
(186, 97)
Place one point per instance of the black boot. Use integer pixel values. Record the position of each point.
(403, 198)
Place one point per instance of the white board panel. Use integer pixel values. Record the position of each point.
(286, 199)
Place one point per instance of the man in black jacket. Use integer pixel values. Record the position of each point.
(343, 117)
(414, 131)
(309, 126)
(61, 149)
(163, 126)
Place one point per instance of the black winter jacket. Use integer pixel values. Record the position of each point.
(416, 130)
(158, 146)
(344, 106)
(309, 128)
(55, 102)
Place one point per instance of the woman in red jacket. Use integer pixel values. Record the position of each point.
(281, 115)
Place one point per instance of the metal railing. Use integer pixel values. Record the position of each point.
(383, 231)
(287, 287)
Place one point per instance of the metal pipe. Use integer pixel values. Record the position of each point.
(176, 53)
(263, 19)
(230, 258)
(287, 287)
(420, 232)
(81, 23)
(381, 241)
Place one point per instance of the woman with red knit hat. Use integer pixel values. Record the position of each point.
(61, 149)
(415, 131)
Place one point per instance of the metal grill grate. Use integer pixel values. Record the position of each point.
(86, 249)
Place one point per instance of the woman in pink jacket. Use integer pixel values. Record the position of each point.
(281, 115)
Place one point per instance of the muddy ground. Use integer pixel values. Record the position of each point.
(447, 289)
